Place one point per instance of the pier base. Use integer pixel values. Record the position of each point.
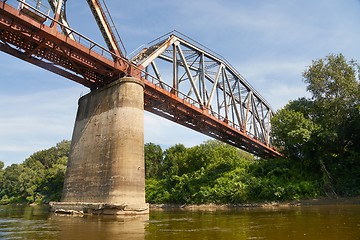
(106, 170)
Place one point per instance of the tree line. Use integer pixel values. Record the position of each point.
(323, 132)
(39, 179)
(212, 172)
(319, 137)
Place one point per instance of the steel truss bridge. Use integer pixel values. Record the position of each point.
(184, 81)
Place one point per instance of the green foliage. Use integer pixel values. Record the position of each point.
(333, 83)
(38, 179)
(293, 132)
(323, 132)
(214, 172)
(153, 160)
(1, 174)
(320, 137)
(335, 89)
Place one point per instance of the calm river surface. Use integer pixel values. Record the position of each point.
(331, 222)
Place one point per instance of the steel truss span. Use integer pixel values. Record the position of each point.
(184, 81)
(219, 101)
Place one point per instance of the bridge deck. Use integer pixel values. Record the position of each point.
(93, 66)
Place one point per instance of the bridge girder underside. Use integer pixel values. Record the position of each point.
(171, 107)
(24, 37)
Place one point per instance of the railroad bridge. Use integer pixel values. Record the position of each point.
(173, 76)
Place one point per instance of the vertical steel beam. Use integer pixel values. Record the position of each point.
(218, 99)
(224, 93)
(202, 78)
(58, 5)
(157, 73)
(175, 69)
(215, 85)
(234, 108)
(268, 129)
(105, 27)
(62, 16)
(241, 107)
(187, 69)
(248, 97)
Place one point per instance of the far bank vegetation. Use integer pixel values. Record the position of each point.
(320, 137)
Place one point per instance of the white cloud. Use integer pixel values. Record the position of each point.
(35, 121)
(269, 42)
(282, 93)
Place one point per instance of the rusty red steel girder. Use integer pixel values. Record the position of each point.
(41, 45)
(93, 66)
(168, 105)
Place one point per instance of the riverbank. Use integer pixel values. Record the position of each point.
(219, 207)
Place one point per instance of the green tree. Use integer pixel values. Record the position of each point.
(174, 161)
(1, 176)
(352, 126)
(12, 185)
(153, 160)
(38, 179)
(334, 85)
(189, 175)
(323, 131)
(1, 171)
(293, 132)
(326, 117)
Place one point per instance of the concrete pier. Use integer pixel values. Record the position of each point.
(106, 170)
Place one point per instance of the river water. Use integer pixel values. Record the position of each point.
(330, 222)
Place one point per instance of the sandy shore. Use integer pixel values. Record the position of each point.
(218, 207)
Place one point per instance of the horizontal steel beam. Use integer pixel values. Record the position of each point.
(89, 64)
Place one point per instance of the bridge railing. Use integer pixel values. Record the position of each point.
(154, 80)
(39, 7)
(78, 37)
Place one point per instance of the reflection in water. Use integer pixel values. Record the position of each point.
(313, 222)
(316, 222)
(24, 222)
(100, 227)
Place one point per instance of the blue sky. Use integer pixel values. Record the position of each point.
(269, 42)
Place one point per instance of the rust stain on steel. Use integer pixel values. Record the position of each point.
(41, 41)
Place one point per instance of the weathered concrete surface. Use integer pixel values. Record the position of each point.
(77, 208)
(106, 164)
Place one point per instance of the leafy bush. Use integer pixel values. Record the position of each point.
(214, 172)
(39, 179)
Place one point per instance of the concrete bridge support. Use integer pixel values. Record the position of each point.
(106, 170)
